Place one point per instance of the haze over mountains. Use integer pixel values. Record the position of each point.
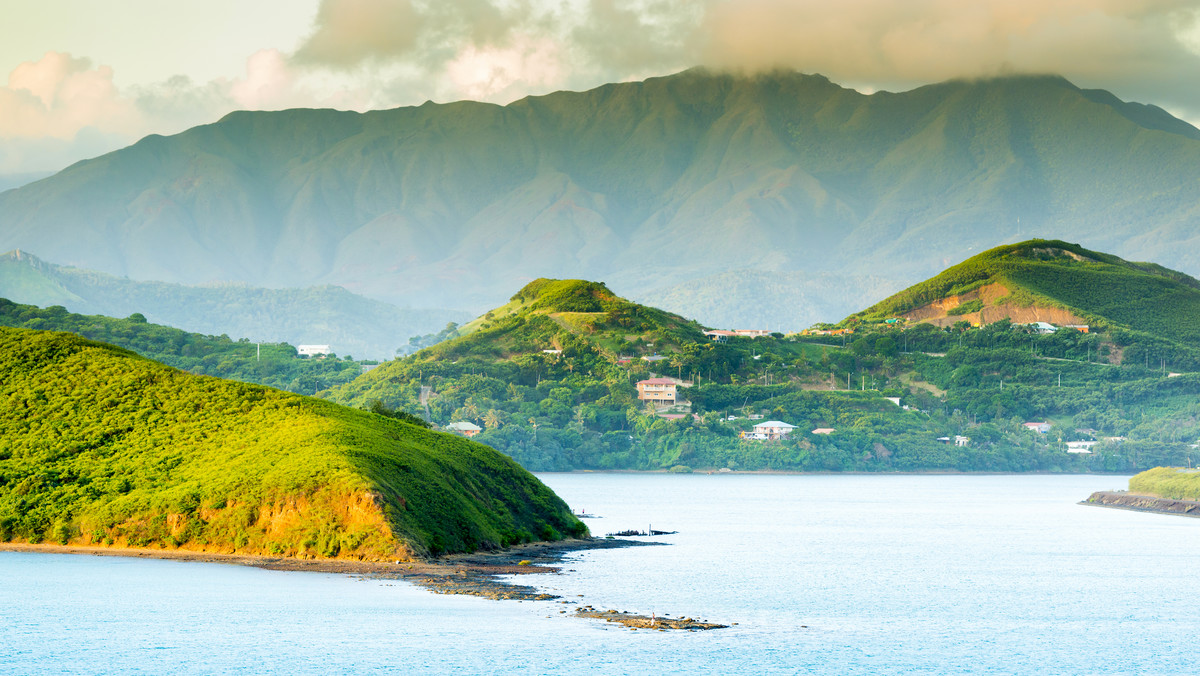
(716, 196)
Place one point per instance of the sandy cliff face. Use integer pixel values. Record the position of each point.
(994, 309)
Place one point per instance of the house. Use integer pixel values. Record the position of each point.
(464, 428)
(824, 430)
(657, 389)
(313, 350)
(1042, 327)
(720, 335)
(552, 351)
(894, 400)
(960, 440)
(1039, 427)
(751, 333)
(653, 358)
(1082, 328)
(1080, 446)
(773, 429)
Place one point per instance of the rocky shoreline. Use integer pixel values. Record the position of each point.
(476, 574)
(1143, 503)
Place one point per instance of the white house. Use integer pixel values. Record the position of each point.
(1043, 327)
(1080, 446)
(464, 428)
(1039, 427)
(313, 350)
(774, 429)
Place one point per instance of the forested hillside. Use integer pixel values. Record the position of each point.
(100, 446)
(666, 189)
(272, 364)
(560, 395)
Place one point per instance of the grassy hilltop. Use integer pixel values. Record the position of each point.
(1055, 279)
(100, 446)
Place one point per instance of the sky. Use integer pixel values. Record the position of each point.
(81, 77)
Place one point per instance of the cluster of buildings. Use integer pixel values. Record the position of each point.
(722, 335)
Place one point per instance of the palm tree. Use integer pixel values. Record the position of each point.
(491, 419)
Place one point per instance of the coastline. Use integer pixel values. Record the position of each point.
(475, 574)
(1143, 503)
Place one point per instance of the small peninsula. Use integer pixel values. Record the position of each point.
(1162, 490)
(101, 447)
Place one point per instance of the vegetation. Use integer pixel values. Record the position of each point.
(100, 446)
(558, 393)
(1168, 482)
(272, 364)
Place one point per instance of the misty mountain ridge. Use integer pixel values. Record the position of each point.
(667, 189)
(327, 314)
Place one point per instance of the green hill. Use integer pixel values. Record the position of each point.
(679, 180)
(1056, 282)
(324, 315)
(100, 446)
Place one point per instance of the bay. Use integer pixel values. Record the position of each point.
(825, 574)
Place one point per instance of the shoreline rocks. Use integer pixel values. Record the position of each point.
(1143, 503)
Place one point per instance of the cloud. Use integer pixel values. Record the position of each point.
(1142, 48)
(60, 109)
(498, 49)
(367, 54)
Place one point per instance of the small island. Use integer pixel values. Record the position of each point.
(1162, 490)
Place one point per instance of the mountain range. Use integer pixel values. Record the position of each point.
(725, 195)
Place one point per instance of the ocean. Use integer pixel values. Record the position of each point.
(822, 574)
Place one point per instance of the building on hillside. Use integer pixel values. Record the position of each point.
(659, 390)
(1082, 328)
(1039, 427)
(720, 335)
(1042, 327)
(773, 429)
(1080, 446)
(464, 428)
(751, 333)
(653, 358)
(824, 430)
(313, 350)
(960, 440)
(894, 400)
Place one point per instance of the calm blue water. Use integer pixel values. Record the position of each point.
(890, 575)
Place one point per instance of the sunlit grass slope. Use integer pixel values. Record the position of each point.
(1168, 482)
(100, 446)
(1100, 288)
